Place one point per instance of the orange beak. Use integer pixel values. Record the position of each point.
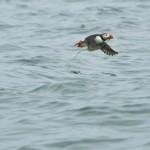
(111, 36)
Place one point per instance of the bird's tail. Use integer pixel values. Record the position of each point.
(80, 44)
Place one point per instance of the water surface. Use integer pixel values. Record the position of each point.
(44, 106)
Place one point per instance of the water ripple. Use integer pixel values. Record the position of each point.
(102, 102)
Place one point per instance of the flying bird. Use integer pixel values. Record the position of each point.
(96, 42)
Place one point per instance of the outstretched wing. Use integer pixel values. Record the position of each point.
(107, 49)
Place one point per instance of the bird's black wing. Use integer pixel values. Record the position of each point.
(91, 39)
(91, 43)
(107, 49)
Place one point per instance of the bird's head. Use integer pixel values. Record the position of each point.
(106, 36)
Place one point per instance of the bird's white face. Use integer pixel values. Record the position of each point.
(107, 36)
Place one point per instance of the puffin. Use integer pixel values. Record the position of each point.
(97, 42)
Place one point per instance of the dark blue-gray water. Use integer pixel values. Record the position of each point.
(102, 104)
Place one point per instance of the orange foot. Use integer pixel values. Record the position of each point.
(79, 44)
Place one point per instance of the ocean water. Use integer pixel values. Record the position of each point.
(99, 102)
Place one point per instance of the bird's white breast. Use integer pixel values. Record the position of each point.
(98, 39)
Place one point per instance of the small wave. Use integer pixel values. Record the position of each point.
(33, 60)
(86, 141)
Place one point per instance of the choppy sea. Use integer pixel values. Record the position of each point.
(99, 102)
